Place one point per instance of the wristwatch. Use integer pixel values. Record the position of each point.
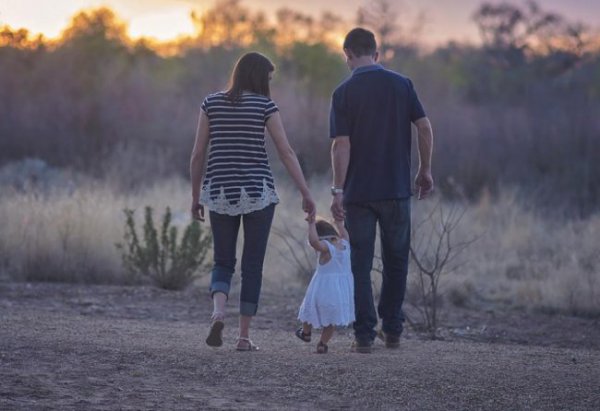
(335, 190)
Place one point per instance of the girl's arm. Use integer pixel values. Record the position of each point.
(290, 161)
(339, 224)
(313, 237)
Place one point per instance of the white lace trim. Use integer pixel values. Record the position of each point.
(244, 205)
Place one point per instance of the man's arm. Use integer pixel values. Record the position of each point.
(340, 158)
(424, 179)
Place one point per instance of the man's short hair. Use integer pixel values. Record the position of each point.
(360, 42)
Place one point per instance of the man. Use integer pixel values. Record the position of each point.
(370, 124)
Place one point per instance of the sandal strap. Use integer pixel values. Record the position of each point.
(251, 345)
(302, 335)
(248, 340)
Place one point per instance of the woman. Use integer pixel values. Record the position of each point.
(238, 186)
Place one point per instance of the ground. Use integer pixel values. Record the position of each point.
(71, 347)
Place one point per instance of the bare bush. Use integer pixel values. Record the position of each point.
(294, 250)
(434, 251)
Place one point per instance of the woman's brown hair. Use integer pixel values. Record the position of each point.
(251, 73)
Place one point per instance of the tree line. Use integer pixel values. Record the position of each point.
(517, 109)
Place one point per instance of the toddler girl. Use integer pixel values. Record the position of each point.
(329, 299)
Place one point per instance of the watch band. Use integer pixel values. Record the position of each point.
(335, 190)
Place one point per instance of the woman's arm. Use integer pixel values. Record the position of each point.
(290, 161)
(197, 161)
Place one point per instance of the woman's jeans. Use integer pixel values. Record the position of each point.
(225, 228)
(393, 217)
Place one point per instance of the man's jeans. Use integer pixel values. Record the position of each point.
(393, 217)
(225, 228)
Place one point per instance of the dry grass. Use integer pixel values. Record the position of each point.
(520, 258)
(526, 260)
(70, 235)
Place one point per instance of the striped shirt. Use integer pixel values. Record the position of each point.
(238, 176)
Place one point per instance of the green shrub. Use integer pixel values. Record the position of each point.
(169, 264)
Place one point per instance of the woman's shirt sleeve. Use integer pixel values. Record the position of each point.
(204, 106)
(270, 109)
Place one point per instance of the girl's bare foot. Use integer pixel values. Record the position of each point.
(322, 348)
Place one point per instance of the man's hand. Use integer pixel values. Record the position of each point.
(337, 207)
(424, 183)
(197, 211)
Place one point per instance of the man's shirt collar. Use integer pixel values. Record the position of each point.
(365, 69)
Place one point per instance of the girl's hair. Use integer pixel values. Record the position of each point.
(326, 229)
(251, 73)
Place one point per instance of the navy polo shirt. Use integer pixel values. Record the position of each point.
(375, 108)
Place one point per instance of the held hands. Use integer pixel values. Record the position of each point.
(197, 211)
(309, 207)
(424, 183)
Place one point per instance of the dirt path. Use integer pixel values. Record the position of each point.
(72, 347)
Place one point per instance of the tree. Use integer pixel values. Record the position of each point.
(511, 33)
(297, 27)
(19, 39)
(382, 16)
(101, 23)
(229, 24)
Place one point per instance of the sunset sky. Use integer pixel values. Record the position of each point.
(165, 19)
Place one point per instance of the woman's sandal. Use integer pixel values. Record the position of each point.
(247, 345)
(322, 348)
(215, 335)
(302, 335)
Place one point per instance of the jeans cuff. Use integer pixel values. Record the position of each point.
(248, 309)
(219, 286)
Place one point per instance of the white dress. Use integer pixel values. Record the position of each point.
(329, 298)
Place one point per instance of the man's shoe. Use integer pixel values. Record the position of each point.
(362, 347)
(390, 341)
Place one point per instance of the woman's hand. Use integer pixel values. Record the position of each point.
(309, 207)
(198, 211)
